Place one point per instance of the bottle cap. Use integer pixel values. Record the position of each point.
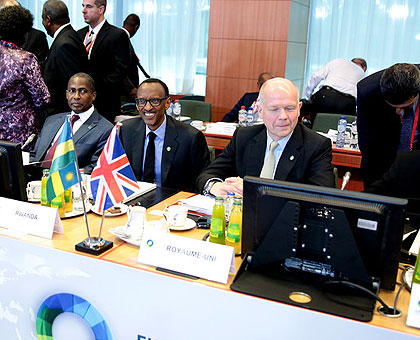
(242, 107)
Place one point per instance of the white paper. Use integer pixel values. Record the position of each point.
(221, 128)
(186, 255)
(199, 203)
(29, 218)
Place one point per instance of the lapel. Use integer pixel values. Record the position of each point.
(50, 132)
(90, 124)
(101, 35)
(136, 155)
(170, 146)
(290, 154)
(256, 153)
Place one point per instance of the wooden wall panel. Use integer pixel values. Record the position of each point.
(245, 58)
(260, 20)
(245, 38)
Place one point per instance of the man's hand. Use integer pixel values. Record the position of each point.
(231, 184)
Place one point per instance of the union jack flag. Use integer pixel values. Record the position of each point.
(112, 180)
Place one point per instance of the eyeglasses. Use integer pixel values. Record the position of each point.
(155, 102)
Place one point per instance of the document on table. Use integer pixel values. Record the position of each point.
(199, 203)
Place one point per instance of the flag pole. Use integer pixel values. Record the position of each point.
(80, 184)
(102, 222)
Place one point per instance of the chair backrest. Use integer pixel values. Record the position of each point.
(325, 121)
(198, 98)
(196, 110)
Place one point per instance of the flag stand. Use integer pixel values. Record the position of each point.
(90, 245)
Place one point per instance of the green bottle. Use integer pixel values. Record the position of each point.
(45, 174)
(218, 224)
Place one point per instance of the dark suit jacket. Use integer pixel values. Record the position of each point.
(378, 128)
(67, 56)
(108, 64)
(402, 179)
(36, 43)
(89, 140)
(247, 100)
(132, 80)
(185, 152)
(306, 158)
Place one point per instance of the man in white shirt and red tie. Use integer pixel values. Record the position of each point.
(108, 50)
(90, 129)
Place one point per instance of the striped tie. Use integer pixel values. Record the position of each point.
(89, 41)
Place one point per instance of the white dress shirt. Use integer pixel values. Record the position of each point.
(341, 74)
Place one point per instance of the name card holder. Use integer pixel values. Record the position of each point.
(29, 218)
(185, 255)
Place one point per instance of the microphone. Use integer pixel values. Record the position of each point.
(29, 140)
(346, 179)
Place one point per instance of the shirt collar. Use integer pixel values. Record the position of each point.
(128, 33)
(84, 116)
(59, 30)
(160, 131)
(282, 142)
(98, 27)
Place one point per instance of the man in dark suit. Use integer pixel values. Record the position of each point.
(67, 54)
(402, 179)
(36, 43)
(90, 129)
(247, 100)
(161, 149)
(108, 50)
(379, 122)
(280, 149)
(131, 25)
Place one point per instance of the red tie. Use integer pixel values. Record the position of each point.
(50, 154)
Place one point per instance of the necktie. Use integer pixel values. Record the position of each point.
(149, 162)
(268, 167)
(89, 41)
(50, 154)
(406, 130)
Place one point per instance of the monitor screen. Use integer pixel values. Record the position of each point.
(342, 235)
(12, 177)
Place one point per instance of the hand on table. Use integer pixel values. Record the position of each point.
(231, 184)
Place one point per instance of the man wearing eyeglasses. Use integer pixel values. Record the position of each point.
(388, 113)
(161, 149)
(90, 129)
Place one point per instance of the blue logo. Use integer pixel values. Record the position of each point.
(149, 243)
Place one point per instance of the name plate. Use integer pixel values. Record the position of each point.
(206, 260)
(29, 218)
(413, 314)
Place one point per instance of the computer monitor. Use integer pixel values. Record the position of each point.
(334, 247)
(12, 177)
(340, 234)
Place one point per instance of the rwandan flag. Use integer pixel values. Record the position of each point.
(63, 171)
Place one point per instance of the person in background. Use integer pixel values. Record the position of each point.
(131, 25)
(161, 149)
(248, 99)
(36, 40)
(281, 148)
(108, 49)
(90, 129)
(339, 78)
(67, 54)
(22, 89)
(388, 112)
